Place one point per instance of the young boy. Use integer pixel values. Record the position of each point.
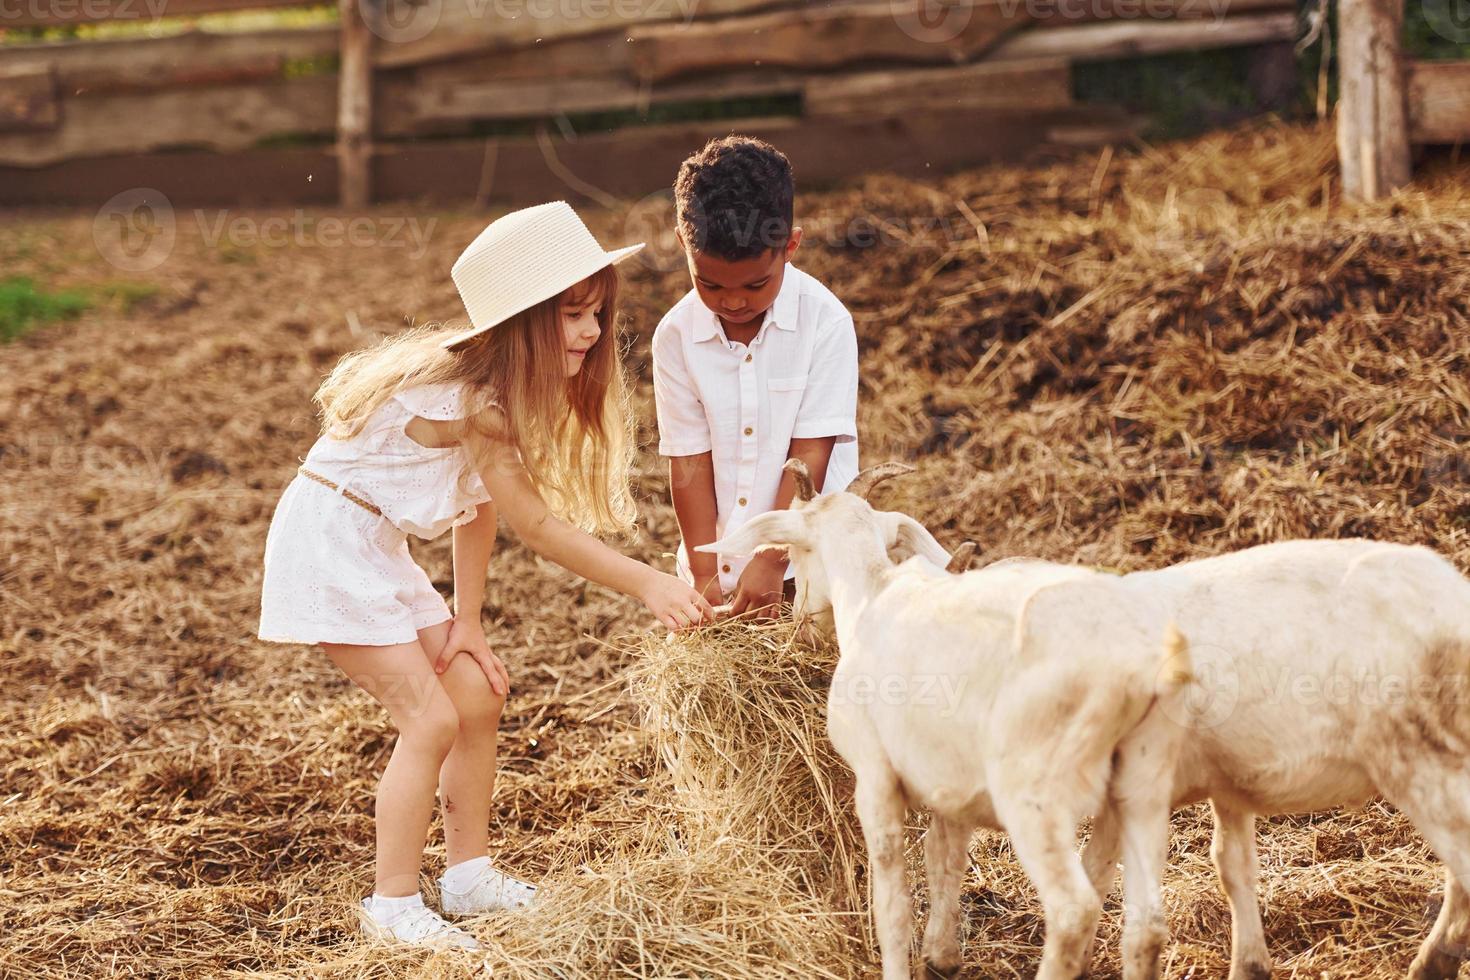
(757, 364)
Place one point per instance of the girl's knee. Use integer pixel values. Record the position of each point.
(479, 706)
(433, 729)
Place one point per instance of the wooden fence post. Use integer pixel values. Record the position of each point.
(1372, 129)
(354, 107)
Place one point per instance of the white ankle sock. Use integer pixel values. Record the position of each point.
(464, 874)
(385, 909)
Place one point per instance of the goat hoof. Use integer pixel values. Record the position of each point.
(1435, 966)
(1251, 971)
(945, 969)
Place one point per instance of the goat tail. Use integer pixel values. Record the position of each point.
(1176, 669)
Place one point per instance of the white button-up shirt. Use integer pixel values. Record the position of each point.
(798, 379)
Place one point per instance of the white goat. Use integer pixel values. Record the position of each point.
(1331, 671)
(943, 697)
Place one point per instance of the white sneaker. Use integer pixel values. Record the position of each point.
(492, 891)
(418, 926)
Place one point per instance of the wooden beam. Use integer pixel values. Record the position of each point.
(822, 37)
(461, 28)
(1041, 84)
(221, 117)
(72, 12)
(354, 104)
(1372, 122)
(28, 99)
(1068, 13)
(1124, 39)
(418, 108)
(1439, 101)
(141, 64)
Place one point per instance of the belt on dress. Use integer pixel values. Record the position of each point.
(365, 505)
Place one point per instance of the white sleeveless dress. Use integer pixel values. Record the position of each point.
(337, 573)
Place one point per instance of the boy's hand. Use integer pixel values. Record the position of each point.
(467, 637)
(759, 588)
(710, 589)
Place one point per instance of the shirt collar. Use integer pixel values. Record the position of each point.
(782, 313)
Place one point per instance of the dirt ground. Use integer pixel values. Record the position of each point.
(1121, 359)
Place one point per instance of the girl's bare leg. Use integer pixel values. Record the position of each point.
(402, 679)
(467, 778)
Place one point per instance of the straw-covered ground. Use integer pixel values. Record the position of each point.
(1123, 359)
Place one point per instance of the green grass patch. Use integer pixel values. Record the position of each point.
(125, 296)
(23, 307)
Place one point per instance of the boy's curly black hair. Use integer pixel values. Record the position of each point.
(733, 199)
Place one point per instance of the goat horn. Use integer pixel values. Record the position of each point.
(803, 478)
(962, 557)
(864, 482)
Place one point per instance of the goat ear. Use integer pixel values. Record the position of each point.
(906, 537)
(777, 528)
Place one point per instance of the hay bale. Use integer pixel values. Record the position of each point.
(738, 714)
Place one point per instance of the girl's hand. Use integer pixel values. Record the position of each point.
(467, 637)
(674, 603)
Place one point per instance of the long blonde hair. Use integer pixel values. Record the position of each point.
(573, 434)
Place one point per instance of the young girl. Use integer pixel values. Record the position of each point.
(522, 415)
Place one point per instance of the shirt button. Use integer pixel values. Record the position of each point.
(741, 501)
(749, 430)
(748, 357)
(724, 568)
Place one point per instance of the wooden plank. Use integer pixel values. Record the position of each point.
(1039, 84)
(551, 48)
(444, 29)
(567, 57)
(1439, 101)
(112, 67)
(611, 167)
(1110, 41)
(1068, 13)
(589, 72)
(225, 117)
(65, 13)
(1372, 125)
(817, 38)
(28, 99)
(412, 108)
(354, 102)
(904, 31)
(254, 177)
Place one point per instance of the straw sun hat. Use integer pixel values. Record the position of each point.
(523, 258)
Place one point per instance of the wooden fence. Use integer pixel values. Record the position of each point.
(392, 101)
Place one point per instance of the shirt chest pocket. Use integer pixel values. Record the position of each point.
(785, 399)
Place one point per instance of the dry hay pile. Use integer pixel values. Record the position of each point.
(1122, 360)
